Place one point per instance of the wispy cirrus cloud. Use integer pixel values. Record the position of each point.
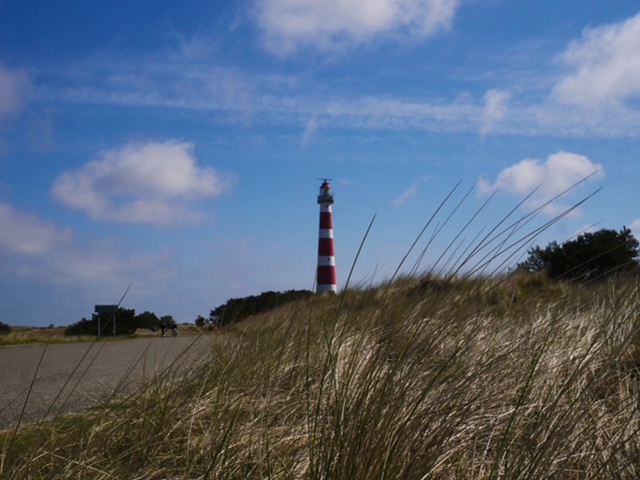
(410, 193)
(15, 88)
(233, 95)
(22, 233)
(531, 102)
(544, 180)
(154, 183)
(310, 130)
(406, 196)
(495, 109)
(38, 250)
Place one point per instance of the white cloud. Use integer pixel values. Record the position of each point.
(524, 107)
(289, 25)
(495, 109)
(406, 196)
(101, 264)
(152, 183)
(635, 227)
(410, 193)
(38, 250)
(606, 65)
(550, 178)
(15, 86)
(25, 234)
(310, 130)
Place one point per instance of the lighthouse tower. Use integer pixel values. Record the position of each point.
(326, 275)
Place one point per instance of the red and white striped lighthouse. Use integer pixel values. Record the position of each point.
(326, 279)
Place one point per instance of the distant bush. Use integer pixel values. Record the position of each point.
(200, 321)
(125, 323)
(147, 320)
(4, 328)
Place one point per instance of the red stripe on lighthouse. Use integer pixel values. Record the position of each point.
(326, 221)
(327, 275)
(326, 247)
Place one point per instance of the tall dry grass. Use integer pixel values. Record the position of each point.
(428, 378)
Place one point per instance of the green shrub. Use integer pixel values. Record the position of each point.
(4, 329)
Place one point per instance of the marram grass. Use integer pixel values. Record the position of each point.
(425, 378)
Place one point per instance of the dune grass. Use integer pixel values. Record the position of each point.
(427, 378)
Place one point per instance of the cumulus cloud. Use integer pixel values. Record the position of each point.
(635, 227)
(15, 86)
(605, 64)
(25, 234)
(152, 183)
(549, 178)
(327, 24)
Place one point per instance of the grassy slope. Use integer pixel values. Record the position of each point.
(426, 379)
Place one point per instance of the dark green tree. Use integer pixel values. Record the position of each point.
(147, 320)
(237, 309)
(4, 328)
(590, 257)
(201, 321)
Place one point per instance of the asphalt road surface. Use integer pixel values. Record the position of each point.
(43, 381)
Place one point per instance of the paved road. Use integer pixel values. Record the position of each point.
(69, 377)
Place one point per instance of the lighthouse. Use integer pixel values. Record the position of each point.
(326, 274)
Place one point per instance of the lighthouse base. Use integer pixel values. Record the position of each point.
(326, 289)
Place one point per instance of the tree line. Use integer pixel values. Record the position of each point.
(126, 321)
(238, 309)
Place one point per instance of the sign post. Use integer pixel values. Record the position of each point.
(102, 309)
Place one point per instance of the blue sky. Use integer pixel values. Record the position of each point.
(178, 146)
